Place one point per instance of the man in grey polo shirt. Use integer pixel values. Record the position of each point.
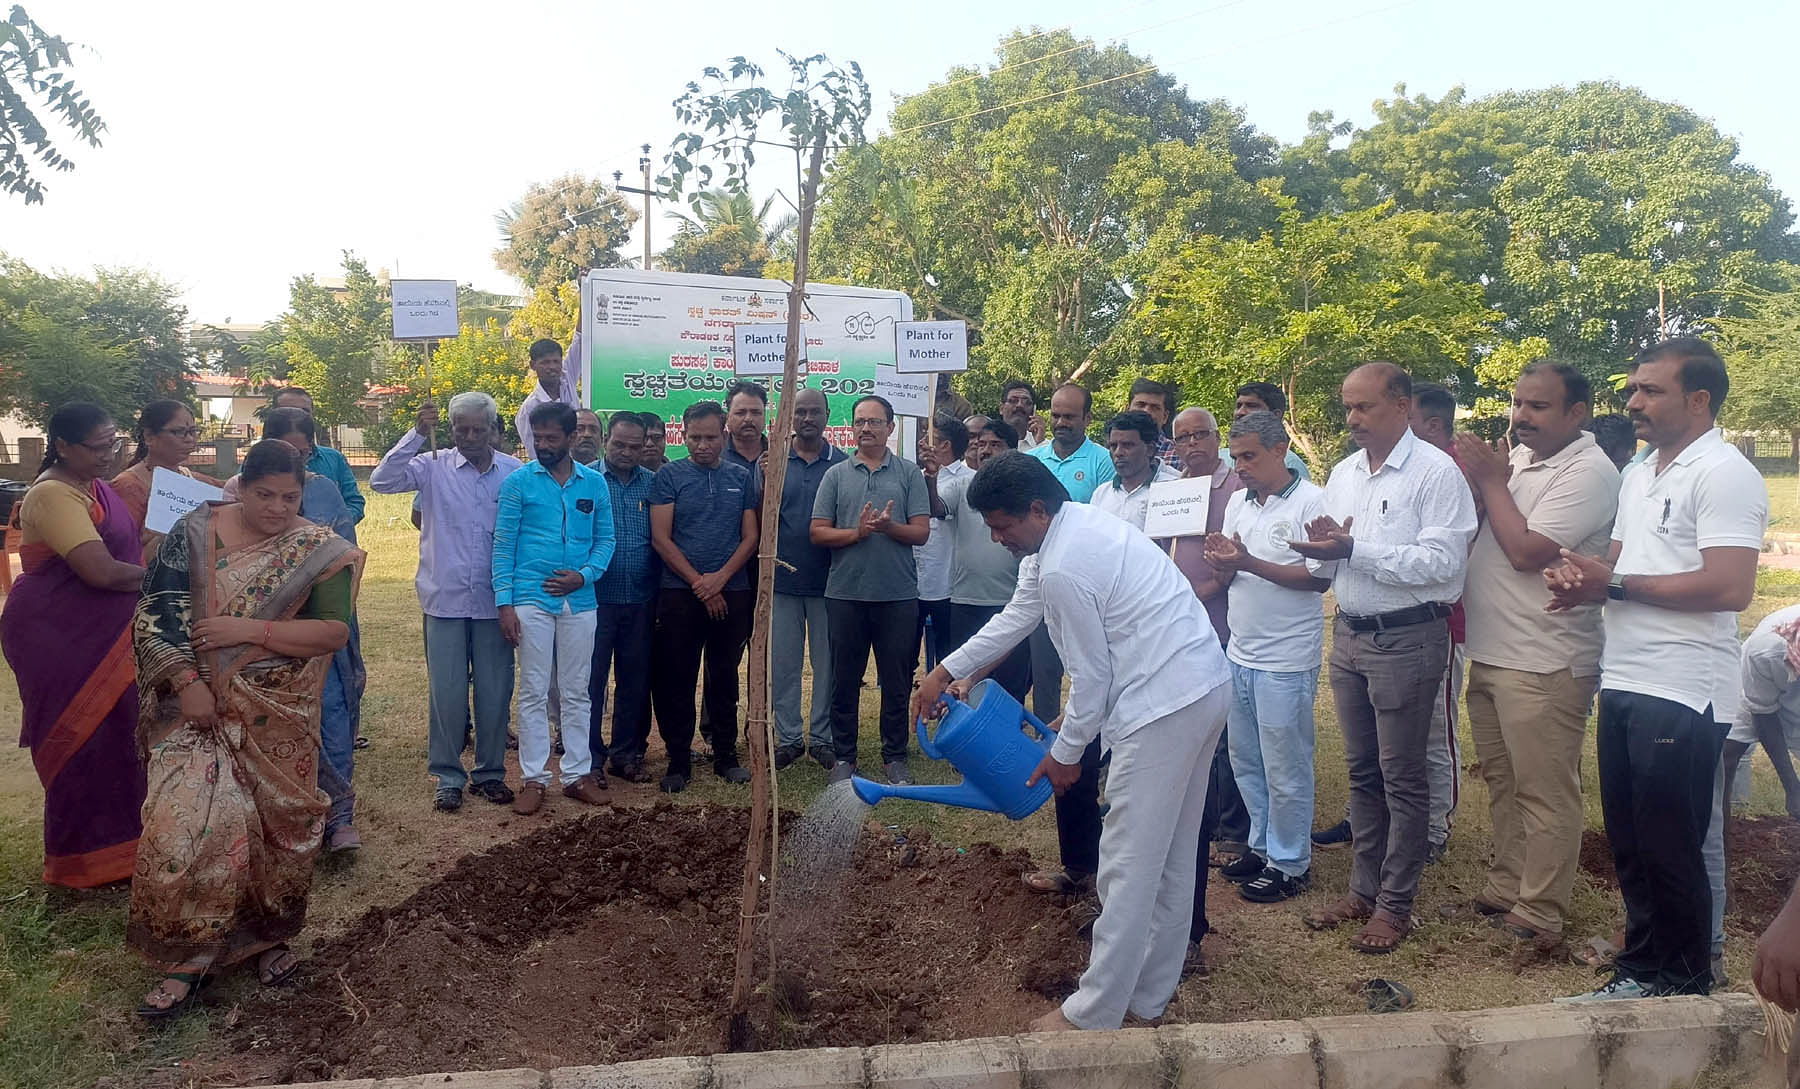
(872, 511)
(983, 573)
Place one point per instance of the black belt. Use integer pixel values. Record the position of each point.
(1399, 618)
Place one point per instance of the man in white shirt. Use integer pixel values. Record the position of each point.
(1155, 694)
(1532, 674)
(937, 555)
(1395, 544)
(1682, 563)
(1131, 439)
(1277, 637)
(552, 385)
(1769, 704)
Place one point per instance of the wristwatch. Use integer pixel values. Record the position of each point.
(1615, 587)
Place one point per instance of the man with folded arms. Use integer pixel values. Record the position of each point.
(1395, 542)
(1532, 674)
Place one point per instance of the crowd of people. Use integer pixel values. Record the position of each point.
(223, 676)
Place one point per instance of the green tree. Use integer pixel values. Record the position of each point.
(550, 312)
(1588, 199)
(1762, 357)
(1303, 303)
(337, 339)
(727, 234)
(561, 227)
(118, 338)
(481, 358)
(33, 78)
(1020, 198)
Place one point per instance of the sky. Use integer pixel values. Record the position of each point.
(249, 143)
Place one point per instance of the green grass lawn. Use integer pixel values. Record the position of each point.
(67, 984)
(1784, 502)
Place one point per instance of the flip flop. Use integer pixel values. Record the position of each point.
(1598, 954)
(194, 981)
(273, 954)
(1348, 908)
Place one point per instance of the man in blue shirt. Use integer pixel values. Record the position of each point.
(325, 461)
(553, 540)
(703, 526)
(798, 621)
(625, 596)
(1080, 463)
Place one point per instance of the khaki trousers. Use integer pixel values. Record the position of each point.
(1528, 730)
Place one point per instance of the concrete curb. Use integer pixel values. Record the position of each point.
(1688, 1043)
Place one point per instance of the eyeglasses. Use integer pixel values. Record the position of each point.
(105, 449)
(182, 432)
(869, 421)
(1194, 436)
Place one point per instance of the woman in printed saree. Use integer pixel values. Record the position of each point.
(66, 632)
(323, 504)
(166, 435)
(244, 604)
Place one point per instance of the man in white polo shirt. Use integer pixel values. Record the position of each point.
(1154, 694)
(1769, 707)
(1532, 674)
(1131, 439)
(1277, 636)
(1682, 563)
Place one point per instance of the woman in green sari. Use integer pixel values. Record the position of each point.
(244, 605)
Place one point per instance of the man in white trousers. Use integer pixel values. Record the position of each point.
(1155, 694)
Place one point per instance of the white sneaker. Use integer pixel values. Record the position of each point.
(1621, 987)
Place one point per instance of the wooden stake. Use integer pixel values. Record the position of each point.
(761, 726)
(431, 438)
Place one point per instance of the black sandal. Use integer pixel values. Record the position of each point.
(194, 981)
(276, 979)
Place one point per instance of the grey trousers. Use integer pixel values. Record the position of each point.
(1385, 685)
(460, 654)
(799, 628)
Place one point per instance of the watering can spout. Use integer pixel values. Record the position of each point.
(964, 795)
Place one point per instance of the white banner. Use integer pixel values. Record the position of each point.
(424, 309)
(910, 394)
(761, 350)
(930, 347)
(1177, 508)
(173, 495)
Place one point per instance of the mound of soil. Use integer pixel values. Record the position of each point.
(610, 939)
(1764, 855)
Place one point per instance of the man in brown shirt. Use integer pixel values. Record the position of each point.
(1228, 822)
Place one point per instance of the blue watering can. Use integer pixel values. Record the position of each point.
(981, 739)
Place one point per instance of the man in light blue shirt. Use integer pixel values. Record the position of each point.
(325, 461)
(1080, 463)
(553, 540)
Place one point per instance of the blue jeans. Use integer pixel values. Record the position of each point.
(1271, 738)
(460, 654)
(799, 627)
(622, 637)
(337, 740)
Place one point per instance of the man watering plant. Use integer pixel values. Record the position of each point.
(1091, 579)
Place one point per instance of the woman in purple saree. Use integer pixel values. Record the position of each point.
(66, 632)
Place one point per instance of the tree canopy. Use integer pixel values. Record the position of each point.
(336, 339)
(559, 228)
(34, 78)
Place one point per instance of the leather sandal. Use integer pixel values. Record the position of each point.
(149, 1011)
(1382, 933)
(1348, 908)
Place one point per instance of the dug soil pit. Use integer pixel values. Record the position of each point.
(610, 938)
(1764, 856)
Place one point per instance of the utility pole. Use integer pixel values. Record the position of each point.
(646, 191)
(1662, 323)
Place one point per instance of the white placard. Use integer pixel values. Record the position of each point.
(1177, 508)
(424, 309)
(173, 495)
(761, 350)
(930, 347)
(910, 394)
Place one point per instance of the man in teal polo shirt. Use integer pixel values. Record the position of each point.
(325, 461)
(1080, 463)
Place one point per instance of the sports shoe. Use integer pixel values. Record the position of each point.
(531, 796)
(587, 789)
(842, 772)
(343, 839)
(447, 800)
(1246, 868)
(824, 756)
(1272, 886)
(494, 790)
(1335, 836)
(1621, 987)
(736, 773)
(899, 774)
(1435, 852)
(785, 755)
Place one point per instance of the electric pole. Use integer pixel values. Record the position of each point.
(646, 191)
